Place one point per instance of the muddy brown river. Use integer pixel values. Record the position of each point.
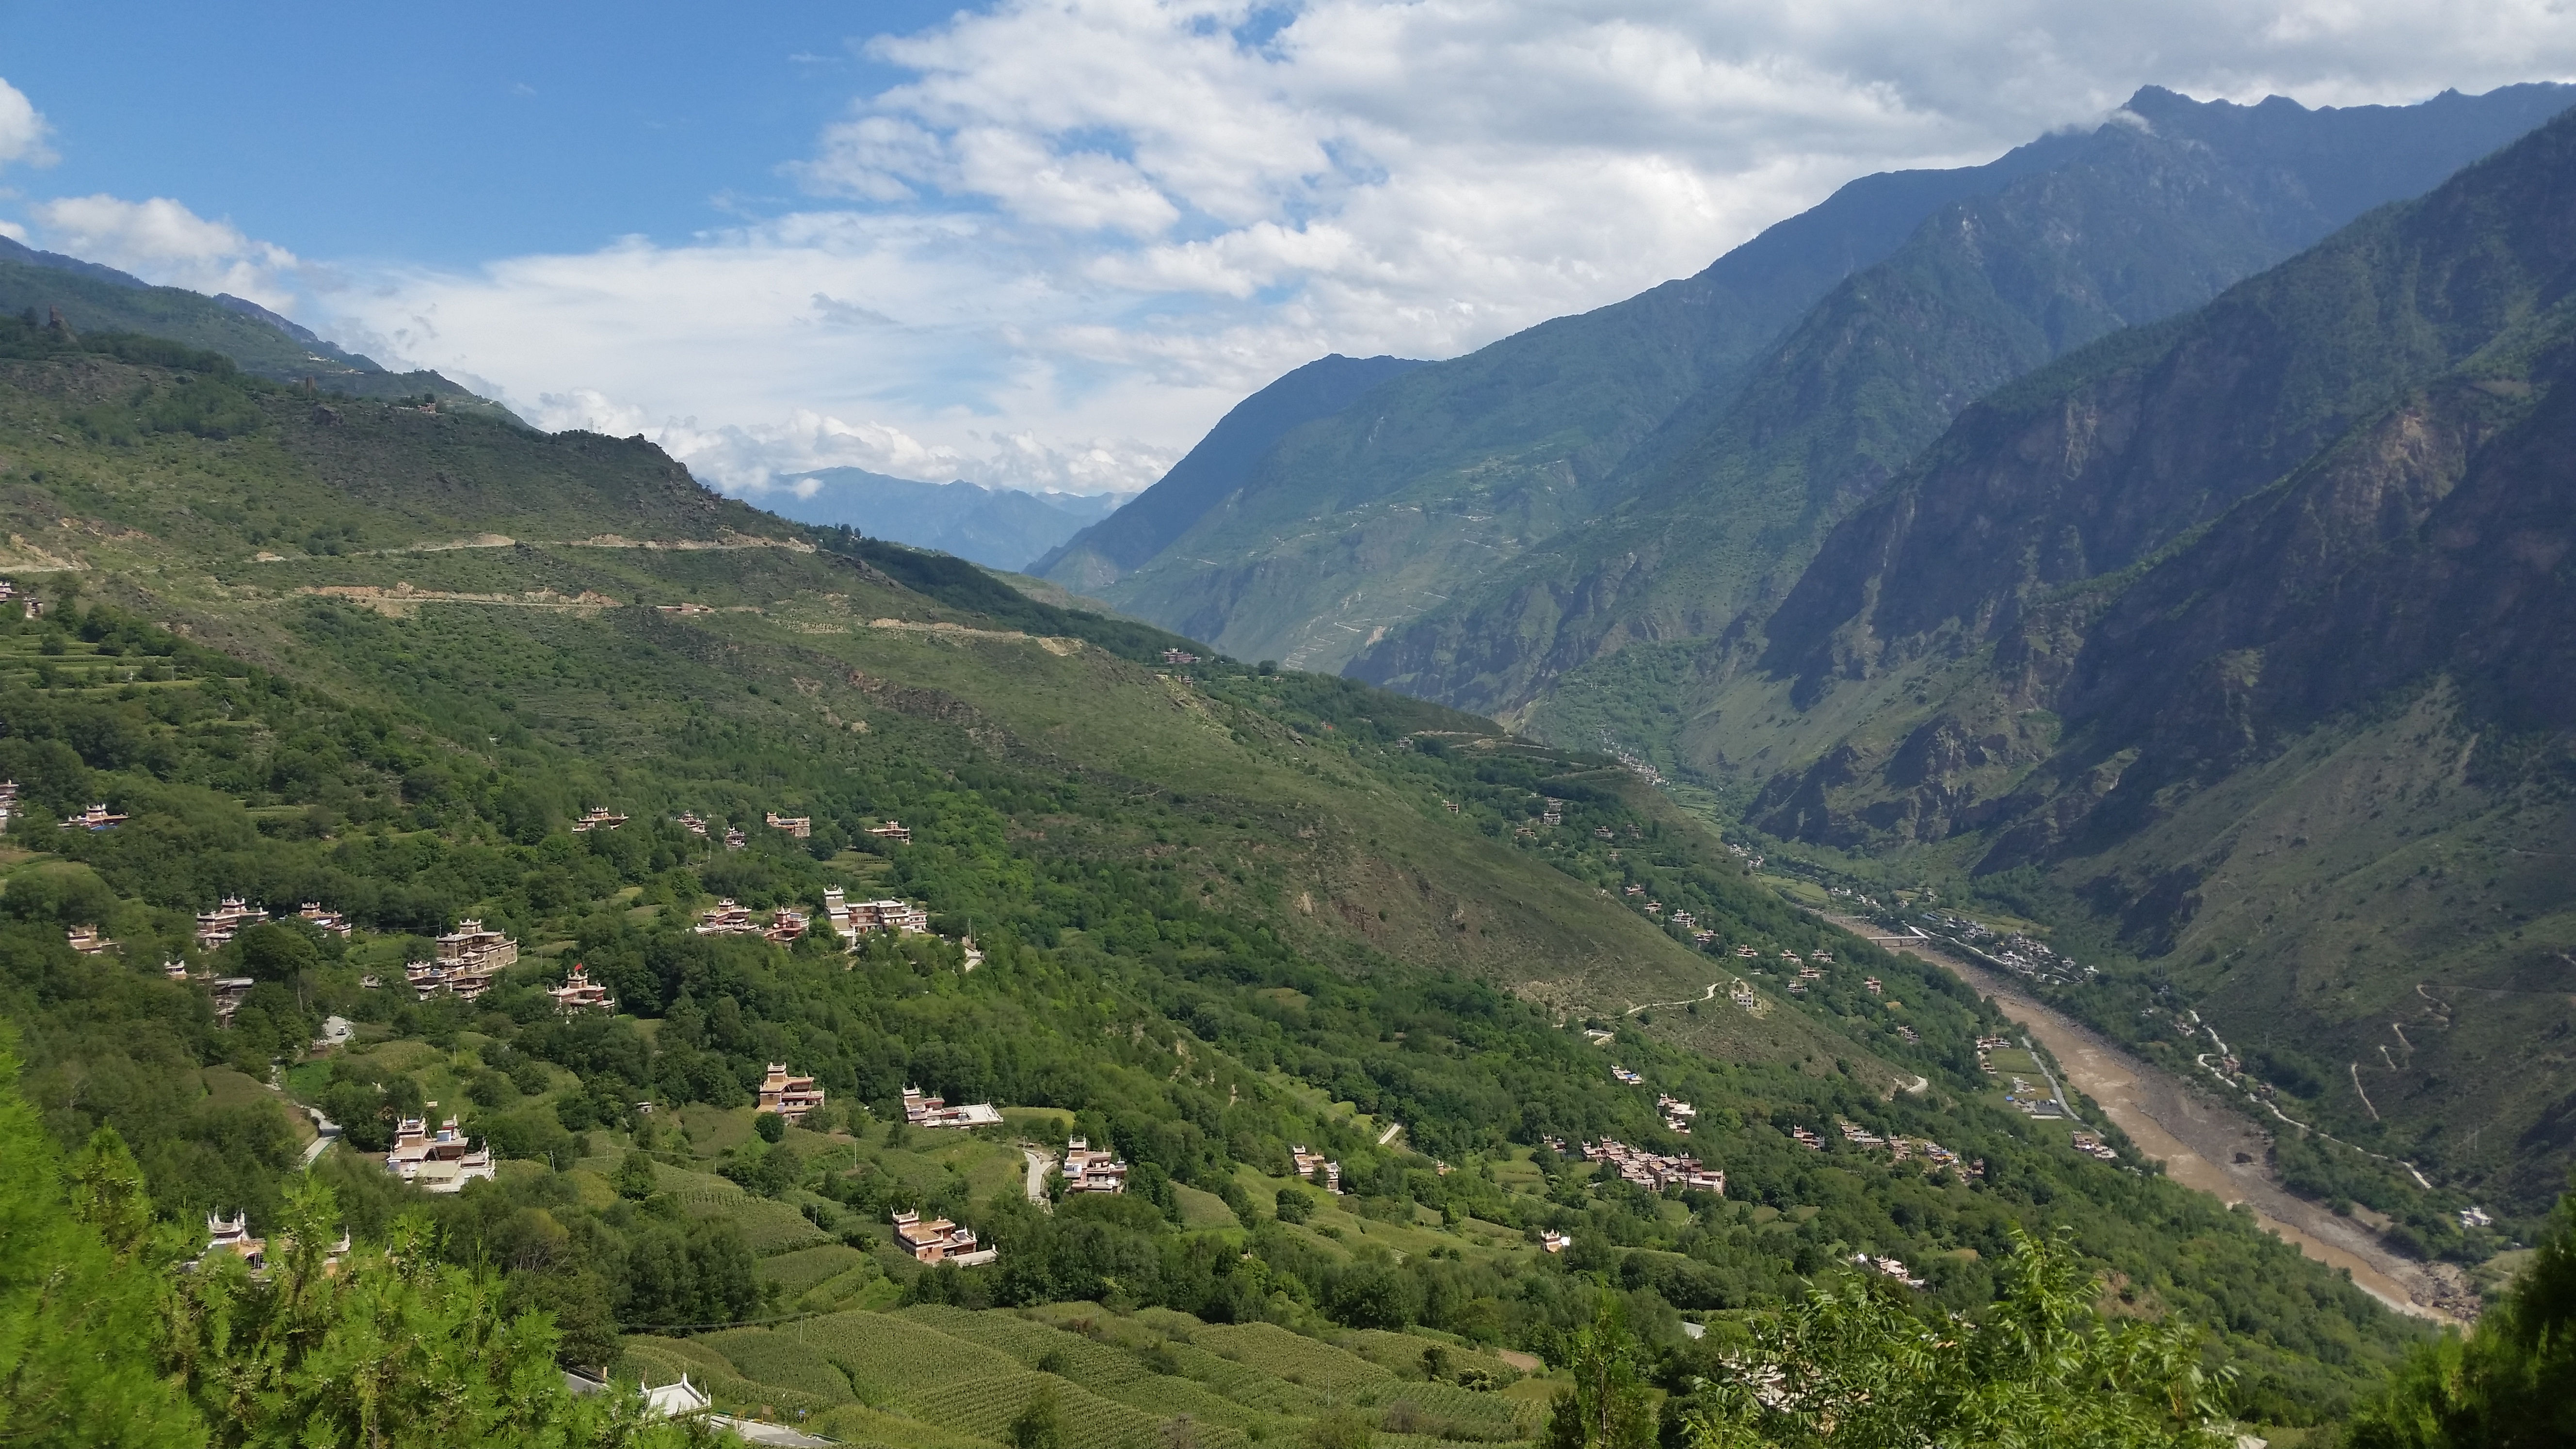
(2201, 1143)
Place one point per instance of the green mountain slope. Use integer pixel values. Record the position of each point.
(2242, 639)
(2155, 215)
(382, 660)
(1427, 479)
(1214, 470)
(94, 298)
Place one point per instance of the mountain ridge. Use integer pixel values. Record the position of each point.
(2155, 216)
(1213, 469)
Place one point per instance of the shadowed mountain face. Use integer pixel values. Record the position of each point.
(2152, 214)
(2247, 638)
(1001, 527)
(1214, 470)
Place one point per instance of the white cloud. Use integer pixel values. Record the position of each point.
(164, 242)
(1081, 229)
(22, 130)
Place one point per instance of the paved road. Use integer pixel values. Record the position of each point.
(2203, 1144)
(1040, 1164)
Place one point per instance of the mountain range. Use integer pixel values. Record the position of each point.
(1472, 530)
(381, 670)
(2158, 533)
(1003, 528)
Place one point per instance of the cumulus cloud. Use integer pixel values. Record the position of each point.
(1078, 230)
(22, 130)
(164, 242)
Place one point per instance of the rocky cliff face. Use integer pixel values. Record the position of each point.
(2001, 539)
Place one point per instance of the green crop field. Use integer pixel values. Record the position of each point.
(771, 1227)
(779, 1358)
(1120, 1380)
(1274, 1350)
(890, 1357)
(805, 1268)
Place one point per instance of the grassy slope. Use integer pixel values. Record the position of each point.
(93, 305)
(443, 505)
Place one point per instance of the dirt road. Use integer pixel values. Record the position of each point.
(2201, 1143)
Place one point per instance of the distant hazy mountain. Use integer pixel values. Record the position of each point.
(1005, 528)
(1214, 470)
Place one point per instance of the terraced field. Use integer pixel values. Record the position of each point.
(932, 1377)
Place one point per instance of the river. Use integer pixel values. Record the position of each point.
(2201, 1144)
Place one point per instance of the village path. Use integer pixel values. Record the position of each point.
(2201, 1144)
(1040, 1164)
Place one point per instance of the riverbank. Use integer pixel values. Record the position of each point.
(2203, 1145)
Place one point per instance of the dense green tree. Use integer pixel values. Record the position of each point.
(79, 1293)
(1039, 1424)
(1608, 1406)
(2510, 1383)
(1856, 1366)
(391, 1348)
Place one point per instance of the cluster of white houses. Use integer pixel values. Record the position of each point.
(1677, 1114)
(731, 918)
(439, 1161)
(850, 920)
(922, 1111)
(467, 960)
(1654, 1171)
(233, 915)
(1890, 1267)
(1906, 1149)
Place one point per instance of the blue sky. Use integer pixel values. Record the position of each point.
(1047, 242)
(446, 133)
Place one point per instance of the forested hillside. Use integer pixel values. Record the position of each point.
(383, 659)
